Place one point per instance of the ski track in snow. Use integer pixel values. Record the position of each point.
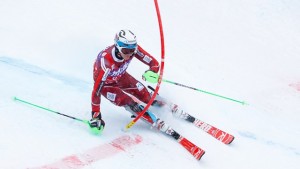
(80, 84)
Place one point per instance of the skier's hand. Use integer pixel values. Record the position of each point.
(97, 124)
(150, 76)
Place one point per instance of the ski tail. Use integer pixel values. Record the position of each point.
(194, 150)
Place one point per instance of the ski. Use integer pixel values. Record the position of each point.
(215, 132)
(219, 134)
(163, 127)
(194, 150)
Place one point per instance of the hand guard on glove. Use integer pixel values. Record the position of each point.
(97, 124)
(150, 76)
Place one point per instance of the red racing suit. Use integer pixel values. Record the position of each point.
(113, 82)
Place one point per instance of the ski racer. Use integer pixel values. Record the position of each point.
(112, 81)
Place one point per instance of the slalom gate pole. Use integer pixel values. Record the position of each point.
(52, 111)
(130, 124)
(206, 92)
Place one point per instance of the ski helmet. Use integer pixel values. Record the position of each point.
(125, 42)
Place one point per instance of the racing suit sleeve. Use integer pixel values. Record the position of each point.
(146, 58)
(99, 76)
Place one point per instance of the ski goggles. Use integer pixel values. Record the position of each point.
(125, 45)
(126, 48)
(127, 51)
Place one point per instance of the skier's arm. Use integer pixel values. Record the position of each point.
(96, 97)
(146, 58)
(100, 75)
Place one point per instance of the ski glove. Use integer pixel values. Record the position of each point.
(97, 124)
(150, 76)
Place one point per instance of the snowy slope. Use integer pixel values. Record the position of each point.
(246, 50)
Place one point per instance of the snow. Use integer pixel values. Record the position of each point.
(245, 50)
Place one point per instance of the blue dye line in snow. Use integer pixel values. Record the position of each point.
(252, 136)
(81, 84)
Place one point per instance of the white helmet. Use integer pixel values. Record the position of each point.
(125, 42)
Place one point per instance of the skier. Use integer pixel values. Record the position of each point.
(112, 81)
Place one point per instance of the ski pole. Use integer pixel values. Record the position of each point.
(94, 130)
(210, 93)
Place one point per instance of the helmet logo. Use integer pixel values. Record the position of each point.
(122, 34)
(131, 33)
